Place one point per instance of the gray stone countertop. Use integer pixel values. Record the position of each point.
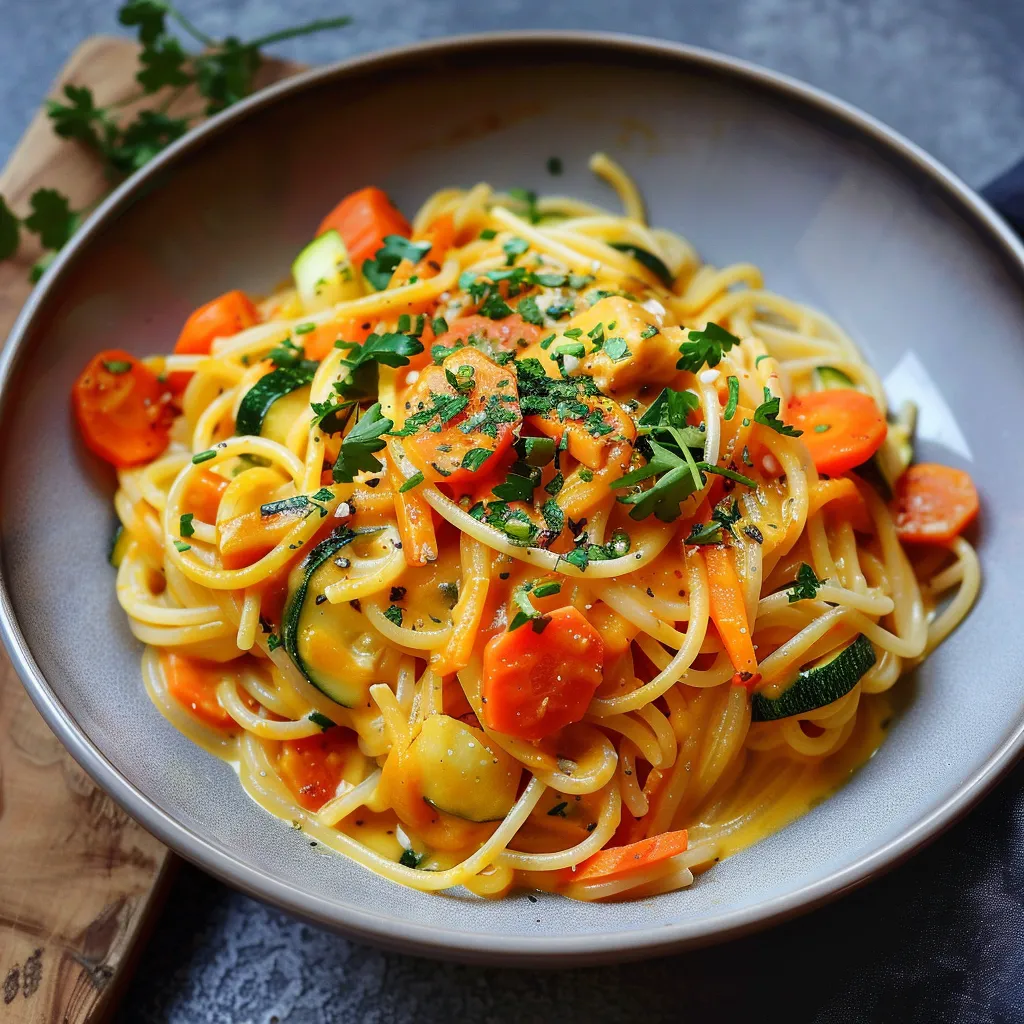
(939, 939)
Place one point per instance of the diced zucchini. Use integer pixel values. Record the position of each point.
(824, 682)
(653, 263)
(283, 413)
(324, 274)
(118, 546)
(463, 772)
(828, 377)
(258, 400)
(332, 645)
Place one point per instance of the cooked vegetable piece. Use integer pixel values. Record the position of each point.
(512, 334)
(313, 767)
(463, 772)
(839, 494)
(824, 682)
(257, 401)
(119, 546)
(318, 343)
(246, 538)
(440, 236)
(193, 684)
(729, 614)
(122, 409)
(933, 503)
(535, 683)
(415, 521)
(618, 862)
(324, 274)
(451, 435)
(221, 317)
(203, 494)
(362, 219)
(333, 645)
(842, 428)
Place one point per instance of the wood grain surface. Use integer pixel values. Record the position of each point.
(79, 879)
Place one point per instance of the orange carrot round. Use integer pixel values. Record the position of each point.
(934, 503)
(511, 334)
(536, 683)
(219, 318)
(313, 767)
(122, 409)
(487, 404)
(363, 218)
(841, 427)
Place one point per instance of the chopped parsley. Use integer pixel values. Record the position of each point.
(514, 247)
(331, 417)
(554, 517)
(414, 481)
(535, 451)
(767, 414)
(653, 263)
(488, 234)
(116, 366)
(305, 328)
(359, 367)
(362, 441)
(463, 380)
(519, 484)
(805, 587)
(378, 271)
(475, 458)
(705, 347)
(203, 456)
(185, 527)
(527, 198)
(734, 398)
(393, 614)
(648, 332)
(558, 811)
(530, 311)
(411, 859)
(616, 349)
(182, 546)
(494, 307)
(526, 611)
(439, 325)
(322, 720)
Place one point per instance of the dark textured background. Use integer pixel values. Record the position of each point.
(940, 939)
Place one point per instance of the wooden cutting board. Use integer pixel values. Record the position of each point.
(79, 879)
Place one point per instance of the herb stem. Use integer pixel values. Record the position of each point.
(300, 30)
(193, 30)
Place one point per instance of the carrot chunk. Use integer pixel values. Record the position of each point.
(363, 219)
(617, 862)
(193, 684)
(934, 503)
(841, 427)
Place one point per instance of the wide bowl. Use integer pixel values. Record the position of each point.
(838, 211)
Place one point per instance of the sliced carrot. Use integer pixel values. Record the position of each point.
(512, 334)
(441, 236)
(729, 613)
(363, 219)
(415, 521)
(591, 439)
(319, 342)
(841, 496)
(313, 767)
(122, 409)
(536, 683)
(934, 503)
(616, 862)
(488, 409)
(246, 538)
(467, 615)
(193, 684)
(841, 427)
(219, 318)
(203, 494)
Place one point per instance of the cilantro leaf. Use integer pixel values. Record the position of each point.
(396, 248)
(163, 64)
(671, 409)
(52, 218)
(530, 311)
(678, 478)
(9, 231)
(80, 118)
(362, 441)
(705, 347)
(331, 417)
(146, 136)
(149, 16)
(767, 414)
(805, 587)
(391, 349)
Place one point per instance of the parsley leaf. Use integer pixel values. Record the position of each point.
(616, 349)
(734, 398)
(80, 118)
(767, 414)
(462, 380)
(519, 484)
(530, 311)
(494, 307)
(705, 347)
(672, 409)
(514, 247)
(9, 231)
(805, 587)
(149, 133)
(475, 458)
(378, 271)
(705, 533)
(527, 198)
(393, 614)
(185, 527)
(362, 441)
(527, 612)
(331, 417)
(52, 218)
(391, 349)
(163, 64)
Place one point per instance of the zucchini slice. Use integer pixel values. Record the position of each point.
(324, 274)
(256, 402)
(828, 377)
(647, 259)
(118, 546)
(462, 772)
(332, 645)
(824, 682)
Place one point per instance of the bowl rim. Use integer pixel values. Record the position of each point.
(451, 942)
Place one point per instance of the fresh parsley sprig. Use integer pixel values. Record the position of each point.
(805, 587)
(705, 348)
(357, 450)
(359, 367)
(222, 74)
(767, 414)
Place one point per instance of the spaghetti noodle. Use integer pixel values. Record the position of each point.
(515, 547)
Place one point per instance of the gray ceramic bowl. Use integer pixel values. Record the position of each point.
(838, 210)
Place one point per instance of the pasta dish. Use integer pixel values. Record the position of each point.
(515, 547)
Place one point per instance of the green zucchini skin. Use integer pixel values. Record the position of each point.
(266, 391)
(830, 378)
(327, 548)
(653, 263)
(819, 685)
